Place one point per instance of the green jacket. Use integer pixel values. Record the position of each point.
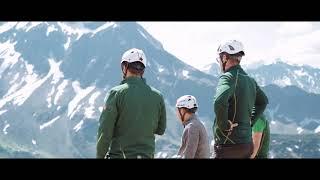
(262, 125)
(133, 113)
(238, 99)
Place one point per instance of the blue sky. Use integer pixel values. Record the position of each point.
(196, 42)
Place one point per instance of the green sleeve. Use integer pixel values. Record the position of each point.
(259, 125)
(221, 104)
(260, 104)
(107, 121)
(162, 123)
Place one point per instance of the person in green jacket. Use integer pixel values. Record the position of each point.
(133, 113)
(237, 103)
(261, 138)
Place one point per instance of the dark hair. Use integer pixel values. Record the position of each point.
(235, 57)
(136, 68)
(192, 110)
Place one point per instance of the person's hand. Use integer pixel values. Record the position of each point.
(232, 125)
(252, 156)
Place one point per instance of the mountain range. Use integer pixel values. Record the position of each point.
(54, 77)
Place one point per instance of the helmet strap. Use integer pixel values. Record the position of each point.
(224, 65)
(181, 115)
(141, 75)
(124, 73)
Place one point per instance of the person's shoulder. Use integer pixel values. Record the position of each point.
(119, 87)
(195, 123)
(227, 76)
(200, 124)
(193, 127)
(190, 126)
(155, 91)
(230, 74)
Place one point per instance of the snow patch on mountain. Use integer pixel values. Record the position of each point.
(3, 111)
(185, 73)
(89, 111)
(78, 126)
(16, 76)
(60, 90)
(103, 27)
(80, 94)
(49, 123)
(300, 130)
(317, 130)
(32, 82)
(285, 81)
(73, 31)
(55, 68)
(7, 26)
(160, 69)
(5, 129)
(50, 97)
(300, 72)
(8, 55)
(50, 29)
(67, 44)
(27, 26)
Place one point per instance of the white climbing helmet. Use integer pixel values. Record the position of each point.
(134, 55)
(187, 101)
(231, 47)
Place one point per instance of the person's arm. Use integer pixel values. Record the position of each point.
(192, 140)
(257, 133)
(256, 138)
(162, 123)
(107, 121)
(221, 104)
(260, 104)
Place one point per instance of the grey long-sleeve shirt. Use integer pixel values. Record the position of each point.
(194, 143)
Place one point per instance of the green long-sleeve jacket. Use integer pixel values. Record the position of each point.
(238, 99)
(134, 112)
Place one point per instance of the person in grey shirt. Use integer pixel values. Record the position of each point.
(195, 142)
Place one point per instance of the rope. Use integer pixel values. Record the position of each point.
(235, 112)
(124, 156)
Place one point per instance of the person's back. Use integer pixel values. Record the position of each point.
(138, 119)
(236, 96)
(242, 92)
(133, 113)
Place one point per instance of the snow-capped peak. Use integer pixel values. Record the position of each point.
(103, 27)
(317, 130)
(157, 44)
(7, 26)
(69, 30)
(206, 68)
(26, 26)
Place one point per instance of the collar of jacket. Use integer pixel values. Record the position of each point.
(186, 122)
(234, 68)
(133, 80)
